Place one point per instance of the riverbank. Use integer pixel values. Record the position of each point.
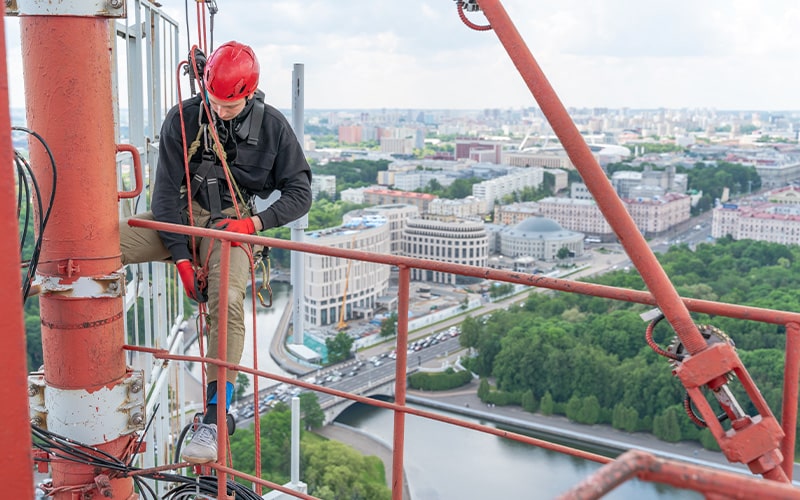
(366, 445)
(601, 439)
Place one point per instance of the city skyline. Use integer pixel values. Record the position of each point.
(725, 55)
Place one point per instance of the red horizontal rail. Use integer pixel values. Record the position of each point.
(535, 280)
(164, 354)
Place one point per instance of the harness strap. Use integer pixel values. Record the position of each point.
(214, 201)
(255, 122)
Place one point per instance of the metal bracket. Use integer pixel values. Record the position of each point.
(89, 417)
(79, 8)
(109, 286)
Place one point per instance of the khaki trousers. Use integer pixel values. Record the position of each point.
(144, 245)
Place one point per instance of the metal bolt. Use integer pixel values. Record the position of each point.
(33, 390)
(37, 421)
(136, 419)
(136, 386)
(115, 4)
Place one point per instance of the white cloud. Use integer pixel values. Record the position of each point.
(728, 54)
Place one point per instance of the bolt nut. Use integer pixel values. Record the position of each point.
(115, 4)
(33, 390)
(37, 421)
(136, 420)
(136, 386)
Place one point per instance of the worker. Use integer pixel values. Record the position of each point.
(261, 154)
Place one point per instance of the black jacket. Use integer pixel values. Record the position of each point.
(276, 162)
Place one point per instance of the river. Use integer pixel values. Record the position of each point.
(448, 462)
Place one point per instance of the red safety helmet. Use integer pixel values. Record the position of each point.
(232, 72)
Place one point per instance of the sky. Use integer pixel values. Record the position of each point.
(371, 54)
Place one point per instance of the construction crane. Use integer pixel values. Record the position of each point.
(342, 324)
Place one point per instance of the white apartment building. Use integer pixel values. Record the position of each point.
(331, 282)
(397, 145)
(354, 195)
(323, 184)
(579, 191)
(464, 208)
(396, 216)
(411, 181)
(459, 242)
(658, 214)
(651, 215)
(495, 189)
(577, 215)
(544, 159)
(776, 220)
(514, 213)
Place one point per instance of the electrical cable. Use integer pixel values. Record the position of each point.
(179, 444)
(44, 216)
(63, 448)
(24, 171)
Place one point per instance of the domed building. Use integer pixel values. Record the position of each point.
(538, 237)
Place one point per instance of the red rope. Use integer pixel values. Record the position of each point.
(470, 24)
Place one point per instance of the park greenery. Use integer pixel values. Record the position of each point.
(339, 347)
(352, 174)
(587, 358)
(439, 381)
(331, 469)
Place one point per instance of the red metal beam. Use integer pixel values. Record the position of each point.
(713, 483)
(17, 458)
(596, 180)
(82, 331)
(401, 347)
(791, 380)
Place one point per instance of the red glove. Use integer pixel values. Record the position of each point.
(243, 226)
(190, 282)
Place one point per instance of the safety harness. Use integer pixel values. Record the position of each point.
(209, 173)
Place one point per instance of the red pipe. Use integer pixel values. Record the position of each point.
(222, 371)
(67, 68)
(604, 195)
(791, 379)
(16, 459)
(401, 347)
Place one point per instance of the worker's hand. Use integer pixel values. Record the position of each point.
(193, 287)
(243, 226)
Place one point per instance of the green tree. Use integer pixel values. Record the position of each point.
(242, 383)
(547, 406)
(470, 332)
(313, 416)
(389, 326)
(666, 427)
(339, 347)
(334, 471)
(483, 389)
(529, 402)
